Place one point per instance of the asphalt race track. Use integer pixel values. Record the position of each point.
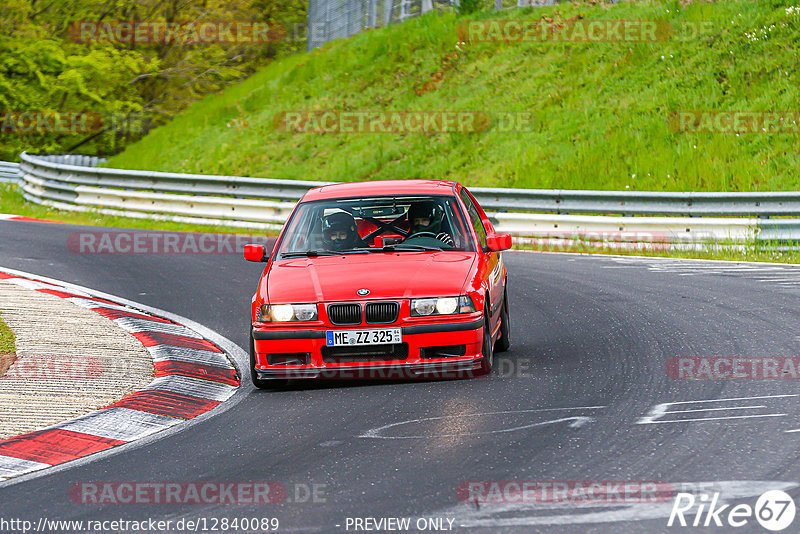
(576, 399)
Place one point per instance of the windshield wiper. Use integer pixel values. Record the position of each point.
(309, 253)
(320, 252)
(413, 248)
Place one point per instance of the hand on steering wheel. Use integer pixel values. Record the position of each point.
(445, 238)
(441, 236)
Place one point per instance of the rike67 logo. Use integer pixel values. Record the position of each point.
(774, 510)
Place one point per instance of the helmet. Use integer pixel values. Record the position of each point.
(426, 209)
(336, 225)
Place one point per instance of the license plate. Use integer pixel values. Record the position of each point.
(384, 336)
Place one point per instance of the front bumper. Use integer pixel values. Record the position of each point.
(423, 343)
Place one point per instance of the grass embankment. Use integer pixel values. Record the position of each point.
(599, 109)
(7, 348)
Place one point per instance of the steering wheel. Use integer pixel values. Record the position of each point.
(420, 234)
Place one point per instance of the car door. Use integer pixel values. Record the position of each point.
(490, 267)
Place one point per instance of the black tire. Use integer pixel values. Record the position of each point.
(504, 343)
(488, 352)
(259, 382)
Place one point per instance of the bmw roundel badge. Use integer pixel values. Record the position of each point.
(363, 292)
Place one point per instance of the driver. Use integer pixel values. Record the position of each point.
(339, 232)
(426, 217)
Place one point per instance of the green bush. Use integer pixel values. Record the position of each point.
(467, 7)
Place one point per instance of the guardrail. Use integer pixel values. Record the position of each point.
(9, 172)
(74, 182)
(642, 202)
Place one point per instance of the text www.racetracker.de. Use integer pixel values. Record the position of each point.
(201, 524)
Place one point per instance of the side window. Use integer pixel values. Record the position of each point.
(476, 219)
(300, 233)
(458, 226)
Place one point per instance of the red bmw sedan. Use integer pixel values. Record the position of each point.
(388, 279)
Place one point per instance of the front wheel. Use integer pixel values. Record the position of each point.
(504, 342)
(488, 353)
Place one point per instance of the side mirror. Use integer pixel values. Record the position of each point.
(255, 253)
(498, 242)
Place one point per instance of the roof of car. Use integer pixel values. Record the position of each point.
(379, 188)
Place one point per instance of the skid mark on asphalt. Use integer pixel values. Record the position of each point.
(574, 422)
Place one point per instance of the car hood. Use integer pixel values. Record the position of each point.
(385, 275)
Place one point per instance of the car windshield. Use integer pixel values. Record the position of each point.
(375, 224)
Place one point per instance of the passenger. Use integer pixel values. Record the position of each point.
(340, 232)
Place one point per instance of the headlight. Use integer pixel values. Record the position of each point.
(423, 306)
(283, 313)
(446, 306)
(442, 306)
